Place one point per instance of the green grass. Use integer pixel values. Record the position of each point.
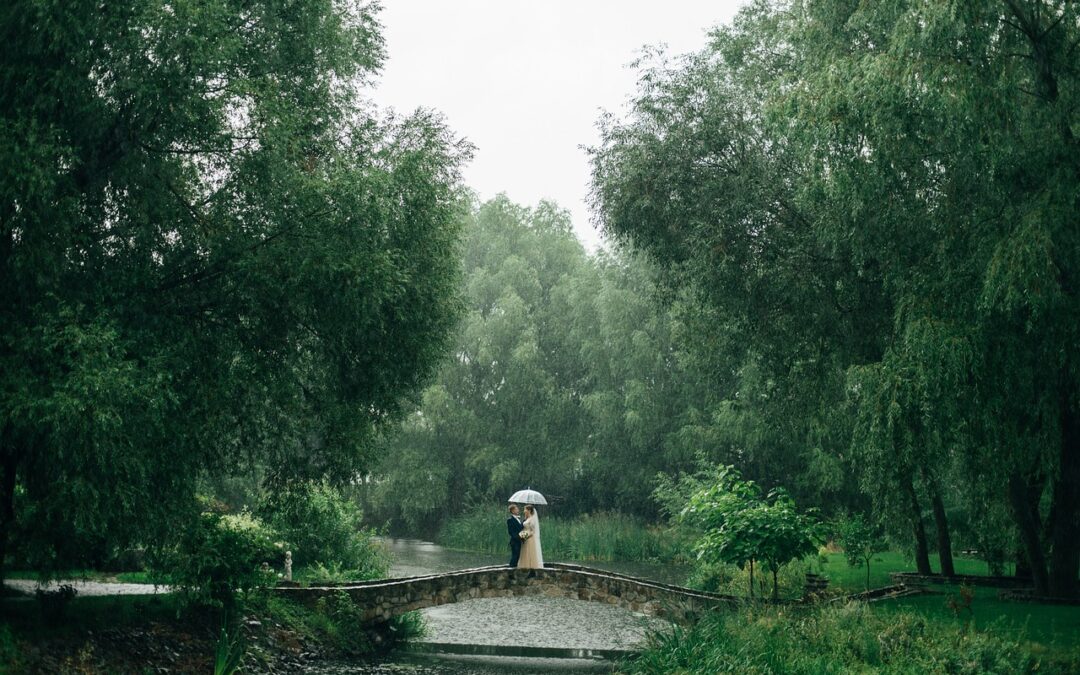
(596, 537)
(23, 616)
(1050, 626)
(850, 579)
(841, 639)
(335, 621)
(142, 577)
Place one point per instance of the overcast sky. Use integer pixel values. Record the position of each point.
(525, 82)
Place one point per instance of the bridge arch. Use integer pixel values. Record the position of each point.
(386, 598)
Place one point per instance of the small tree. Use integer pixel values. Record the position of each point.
(860, 541)
(786, 534)
(740, 527)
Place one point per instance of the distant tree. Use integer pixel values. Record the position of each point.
(566, 376)
(212, 255)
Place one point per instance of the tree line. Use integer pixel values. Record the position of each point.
(878, 204)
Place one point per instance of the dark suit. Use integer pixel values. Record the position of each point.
(513, 527)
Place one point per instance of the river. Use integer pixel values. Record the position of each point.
(512, 635)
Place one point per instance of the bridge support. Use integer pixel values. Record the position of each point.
(387, 598)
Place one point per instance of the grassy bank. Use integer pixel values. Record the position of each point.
(852, 638)
(131, 633)
(600, 536)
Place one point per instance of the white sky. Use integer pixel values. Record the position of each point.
(525, 82)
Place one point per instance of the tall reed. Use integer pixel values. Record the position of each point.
(603, 536)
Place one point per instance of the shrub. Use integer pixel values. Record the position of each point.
(53, 604)
(732, 580)
(220, 556)
(323, 526)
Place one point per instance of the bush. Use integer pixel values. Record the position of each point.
(731, 580)
(53, 604)
(324, 527)
(220, 556)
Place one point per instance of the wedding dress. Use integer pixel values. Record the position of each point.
(532, 555)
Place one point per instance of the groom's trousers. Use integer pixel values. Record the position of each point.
(515, 552)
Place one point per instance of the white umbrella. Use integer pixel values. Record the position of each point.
(527, 497)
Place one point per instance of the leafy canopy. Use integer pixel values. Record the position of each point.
(213, 253)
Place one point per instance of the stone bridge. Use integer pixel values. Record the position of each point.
(386, 598)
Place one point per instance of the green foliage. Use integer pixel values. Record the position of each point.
(9, 650)
(874, 207)
(341, 620)
(740, 527)
(332, 573)
(852, 638)
(219, 557)
(861, 542)
(565, 377)
(213, 253)
(336, 621)
(599, 536)
(731, 580)
(323, 526)
(54, 603)
(228, 651)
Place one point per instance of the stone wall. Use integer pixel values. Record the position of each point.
(387, 598)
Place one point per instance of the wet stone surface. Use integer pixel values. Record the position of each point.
(538, 622)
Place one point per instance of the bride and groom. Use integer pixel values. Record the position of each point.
(525, 551)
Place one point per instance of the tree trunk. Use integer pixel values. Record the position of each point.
(941, 523)
(751, 578)
(868, 573)
(1064, 534)
(922, 551)
(1026, 515)
(7, 509)
(1022, 569)
(775, 588)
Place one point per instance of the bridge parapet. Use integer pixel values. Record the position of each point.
(386, 598)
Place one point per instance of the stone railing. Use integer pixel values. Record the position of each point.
(387, 598)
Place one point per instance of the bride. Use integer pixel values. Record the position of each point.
(532, 557)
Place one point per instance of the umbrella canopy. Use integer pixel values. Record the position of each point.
(527, 497)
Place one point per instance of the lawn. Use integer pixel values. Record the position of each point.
(844, 577)
(1053, 626)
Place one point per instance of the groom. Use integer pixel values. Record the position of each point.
(513, 528)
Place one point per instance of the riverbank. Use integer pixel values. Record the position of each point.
(137, 633)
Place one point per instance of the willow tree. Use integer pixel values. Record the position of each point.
(212, 252)
(896, 183)
(968, 177)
